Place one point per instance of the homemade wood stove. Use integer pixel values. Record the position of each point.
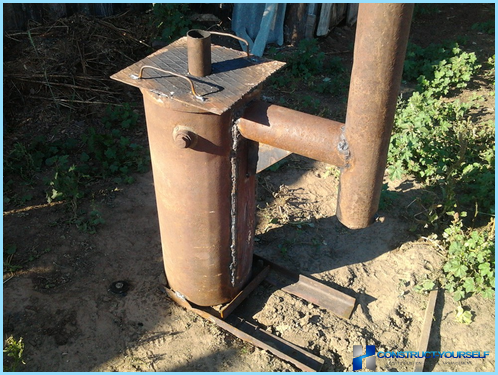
(205, 123)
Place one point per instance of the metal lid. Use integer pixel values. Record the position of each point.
(234, 74)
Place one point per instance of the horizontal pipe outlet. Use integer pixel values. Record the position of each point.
(307, 135)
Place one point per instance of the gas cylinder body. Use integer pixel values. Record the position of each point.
(204, 179)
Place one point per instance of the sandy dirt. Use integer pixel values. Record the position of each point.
(62, 306)
(70, 320)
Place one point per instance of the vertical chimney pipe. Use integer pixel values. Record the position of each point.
(379, 52)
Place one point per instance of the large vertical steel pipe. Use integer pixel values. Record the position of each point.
(379, 52)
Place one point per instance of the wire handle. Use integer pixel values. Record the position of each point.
(192, 88)
(235, 37)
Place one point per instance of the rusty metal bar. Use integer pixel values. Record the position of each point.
(251, 333)
(298, 285)
(379, 52)
(310, 290)
(418, 366)
(267, 341)
(284, 349)
(294, 131)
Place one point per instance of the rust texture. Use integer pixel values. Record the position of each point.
(203, 260)
(379, 52)
(233, 76)
(294, 131)
(199, 53)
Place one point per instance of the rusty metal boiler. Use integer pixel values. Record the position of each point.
(205, 125)
(204, 171)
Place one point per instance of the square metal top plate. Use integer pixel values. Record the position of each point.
(233, 75)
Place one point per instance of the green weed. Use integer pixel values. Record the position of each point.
(35, 254)
(14, 350)
(470, 267)
(309, 104)
(436, 140)
(309, 66)
(421, 61)
(487, 27)
(171, 20)
(307, 61)
(331, 170)
(276, 166)
(387, 197)
(425, 10)
(452, 73)
(425, 286)
(122, 115)
(463, 316)
(89, 223)
(9, 252)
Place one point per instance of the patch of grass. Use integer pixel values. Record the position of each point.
(73, 164)
(427, 61)
(13, 261)
(88, 223)
(124, 116)
(387, 197)
(435, 140)
(309, 104)
(425, 10)
(486, 27)
(35, 254)
(306, 62)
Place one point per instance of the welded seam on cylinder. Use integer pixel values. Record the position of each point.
(233, 203)
(343, 147)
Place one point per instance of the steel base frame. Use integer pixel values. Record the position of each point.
(290, 282)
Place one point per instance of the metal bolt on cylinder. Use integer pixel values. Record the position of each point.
(184, 137)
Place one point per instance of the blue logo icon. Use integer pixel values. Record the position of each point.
(358, 357)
